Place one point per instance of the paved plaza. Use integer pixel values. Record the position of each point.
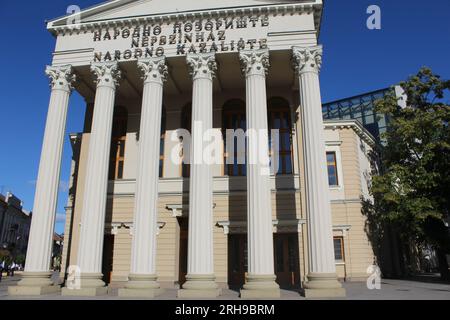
(421, 288)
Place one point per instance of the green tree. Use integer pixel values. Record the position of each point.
(412, 191)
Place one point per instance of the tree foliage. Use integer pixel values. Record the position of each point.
(413, 189)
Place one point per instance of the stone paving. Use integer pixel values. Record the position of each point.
(423, 288)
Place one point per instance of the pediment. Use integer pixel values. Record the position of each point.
(124, 9)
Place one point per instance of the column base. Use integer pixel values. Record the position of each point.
(84, 292)
(141, 286)
(34, 284)
(199, 286)
(261, 287)
(89, 285)
(323, 285)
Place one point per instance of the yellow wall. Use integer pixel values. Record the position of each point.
(286, 205)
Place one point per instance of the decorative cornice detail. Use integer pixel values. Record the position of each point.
(254, 62)
(202, 65)
(113, 228)
(61, 77)
(176, 209)
(278, 226)
(307, 59)
(153, 69)
(359, 129)
(107, 73)
(300, 8)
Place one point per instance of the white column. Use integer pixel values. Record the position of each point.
(36, 279)
(200, 277)
(95, 189)
(142, 279)
(322, 269)
(261, 275)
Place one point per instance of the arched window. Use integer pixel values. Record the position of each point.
(186, 123)
(118, 141)
(233, 117)
(279, 117)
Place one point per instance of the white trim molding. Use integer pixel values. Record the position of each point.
(177, 210)
(279, 226)
(362, 132)
(113, 228)
(344, 228)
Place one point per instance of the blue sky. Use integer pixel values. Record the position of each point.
(356, 60)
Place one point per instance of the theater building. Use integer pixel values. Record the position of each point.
(137, 220)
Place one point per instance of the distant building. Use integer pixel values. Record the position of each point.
(362, 108)
(14, 226)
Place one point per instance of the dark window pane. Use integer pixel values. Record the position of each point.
(120, 170)
(293, 247)
(330, 156)
(277, 121)
(161, 147)
(280, 255)
(288, 164)
(332, 181)
(122, 148)
(338, 249)
(284, 121)
(332, 169)
(245, 255)
(161, 165)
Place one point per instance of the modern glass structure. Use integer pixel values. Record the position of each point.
(361, 108)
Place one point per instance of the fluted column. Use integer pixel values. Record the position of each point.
(92, 231)
(261, 275)
(322, 278)
(200, 277)
(36, 279)
(142, 279)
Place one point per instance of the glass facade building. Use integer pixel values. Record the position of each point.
(361, 108)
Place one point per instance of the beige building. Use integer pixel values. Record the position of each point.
(348, 146)
(139, 216)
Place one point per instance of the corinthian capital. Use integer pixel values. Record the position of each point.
(154, 69)
(106, 73)
(202, 65)
(61, 77)
(254, 62)
(307, 59)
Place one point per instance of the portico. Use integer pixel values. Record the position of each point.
(141, 219)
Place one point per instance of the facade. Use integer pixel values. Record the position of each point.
(146, 209)
(14, 226)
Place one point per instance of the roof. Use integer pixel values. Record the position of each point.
(149, 11)
(57, 237)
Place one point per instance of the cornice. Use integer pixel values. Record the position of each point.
(282, 9)
(362, 132)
